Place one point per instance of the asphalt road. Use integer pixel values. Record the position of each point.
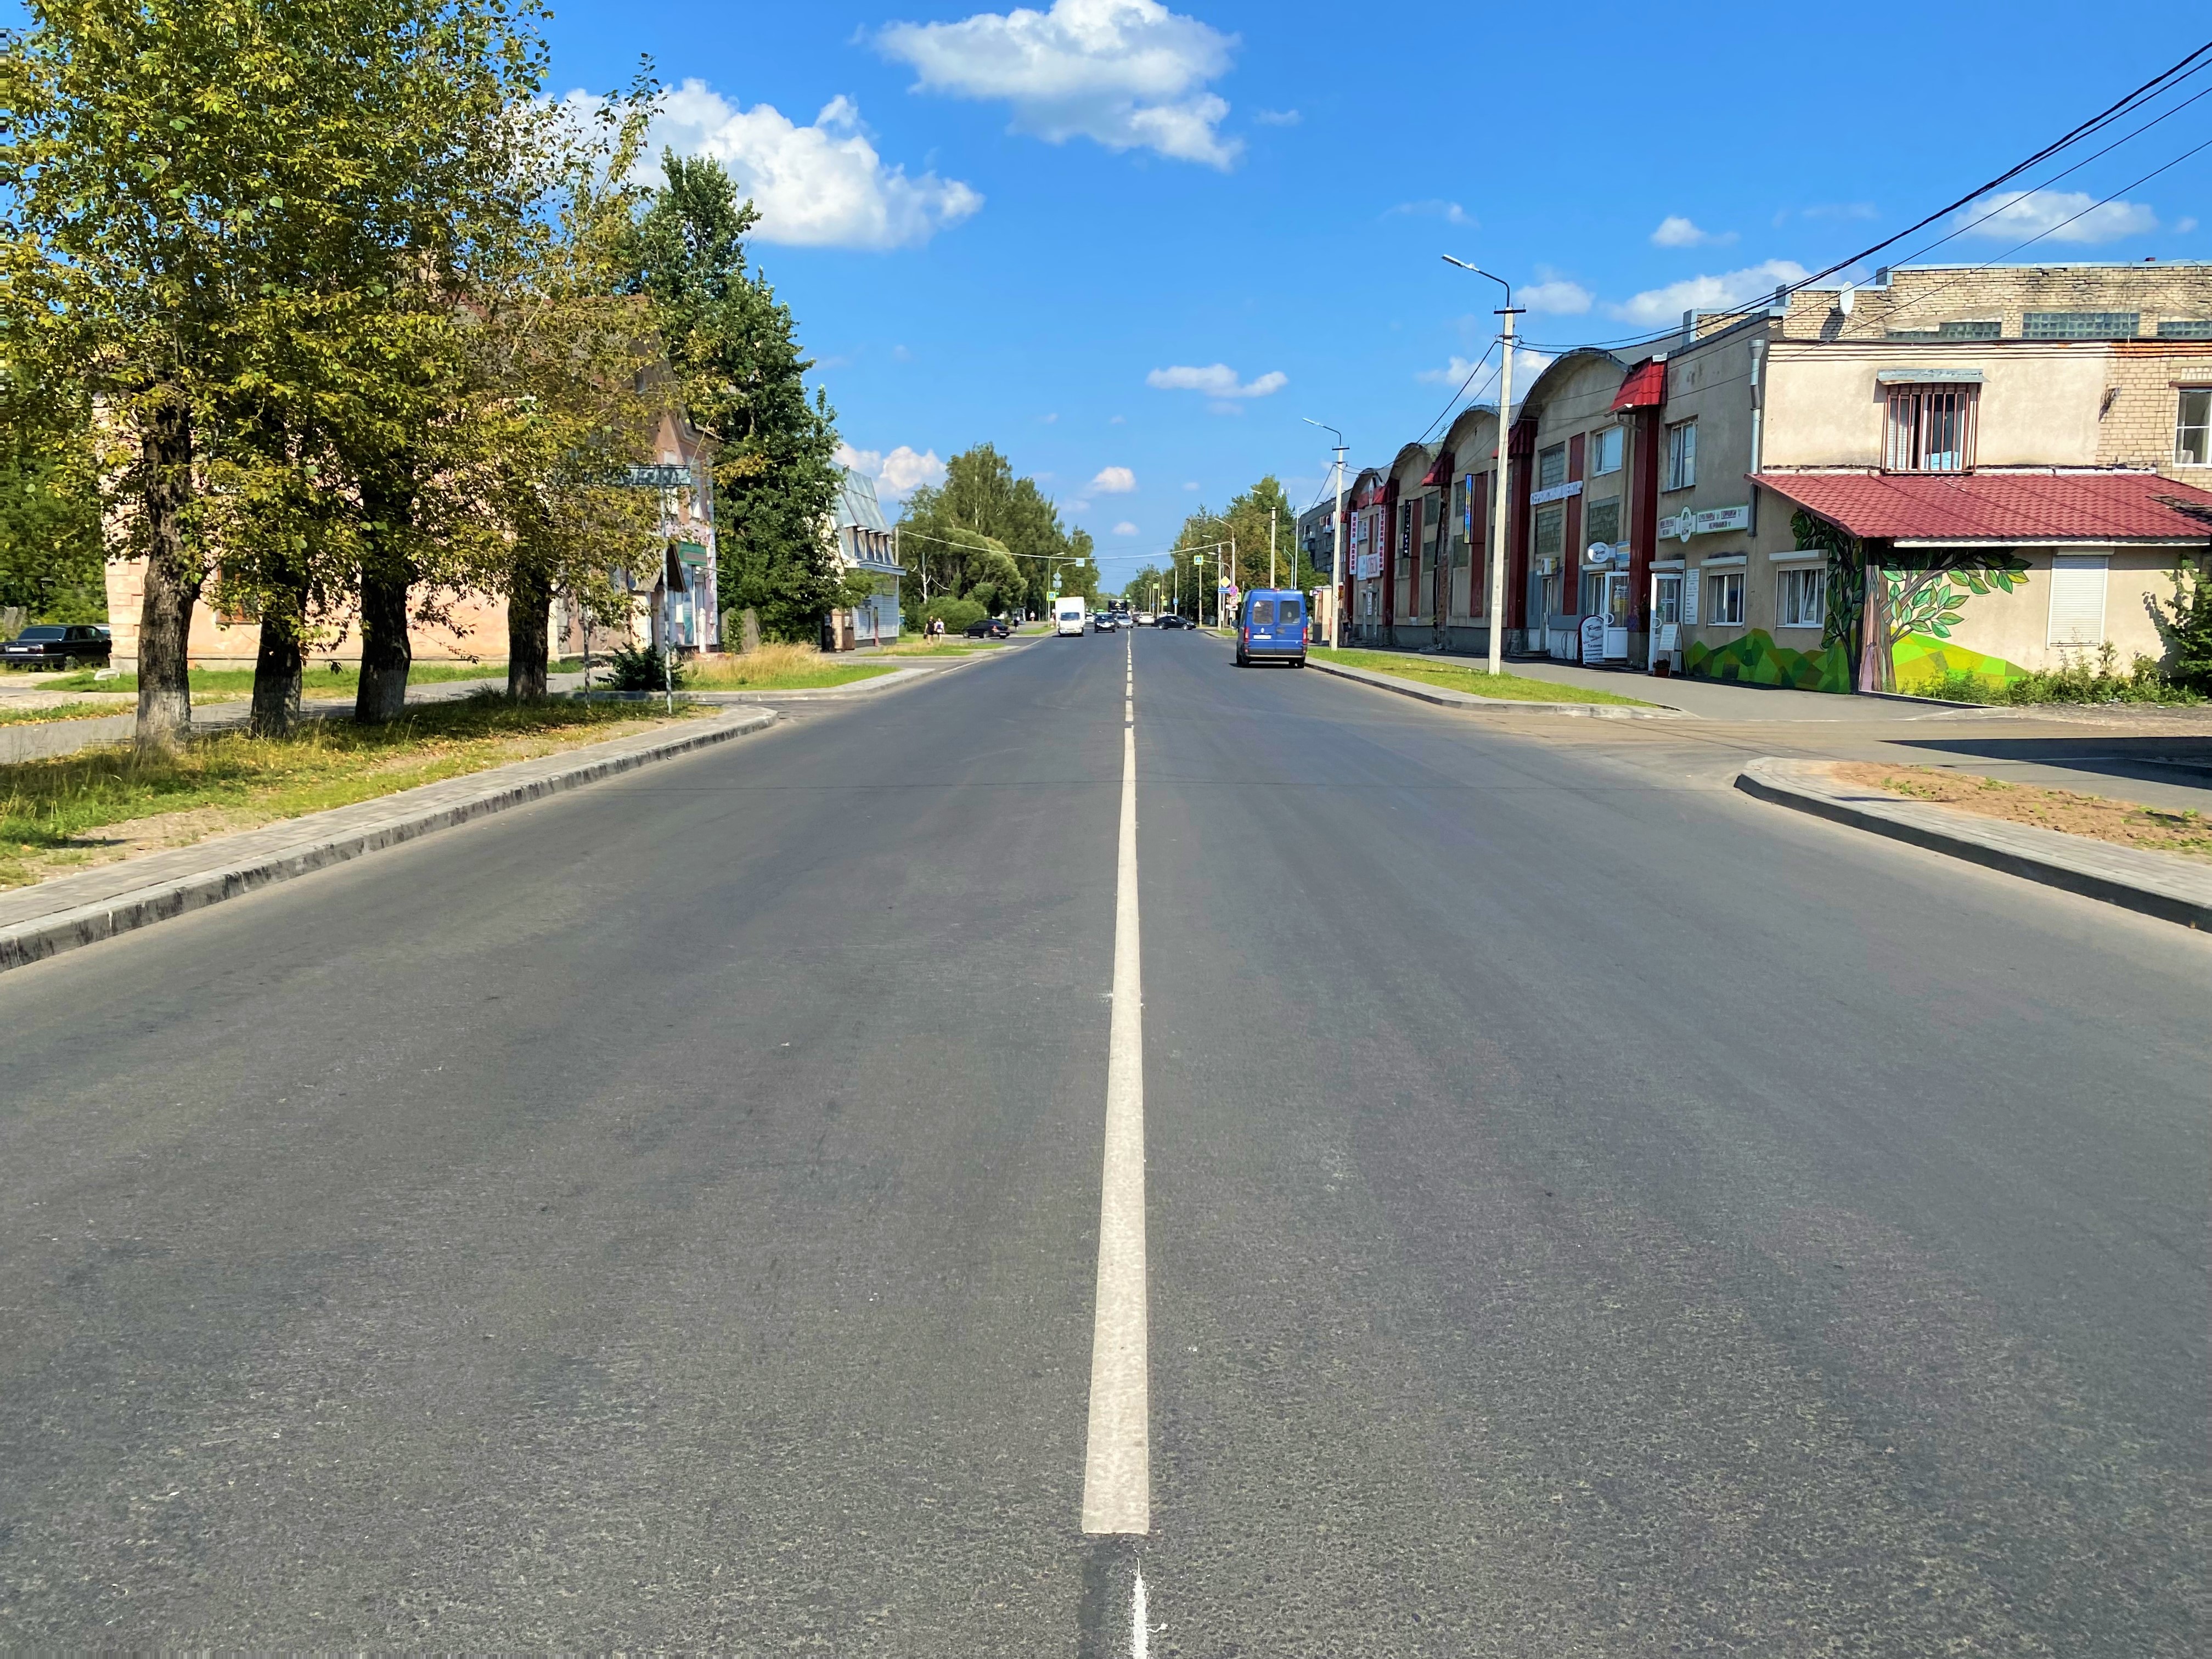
(1586, 1212)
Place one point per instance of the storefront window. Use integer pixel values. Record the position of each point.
(1724, 600)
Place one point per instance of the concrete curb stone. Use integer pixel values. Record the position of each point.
(1449, 699)
(45, 920)
(2152, 883)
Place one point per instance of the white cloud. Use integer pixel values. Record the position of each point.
(1193, 484)
(1113, 481)
(1526, 366)
(2184, 225)
(1276, 117)
(1119, 419)
(1676, 231)
(1129, 74)
(1125, 528)
(1217, 380)
(898, 474)
(1842, 210)
(821, 185)
(1561, 298)
(2057, 215)
(1049, 420)
(1450, 212)
(1666, 305)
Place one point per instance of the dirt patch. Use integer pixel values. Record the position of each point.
(2154, 828)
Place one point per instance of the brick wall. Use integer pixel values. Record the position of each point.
(1919, 297)
(2140, 403)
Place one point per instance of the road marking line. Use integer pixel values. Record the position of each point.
(1117, 1478)
(1140, 1633)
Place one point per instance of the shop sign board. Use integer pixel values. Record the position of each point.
(1594, 639)
(1556, 493)
(1686, 524)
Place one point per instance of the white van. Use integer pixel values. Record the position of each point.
(1067, 614)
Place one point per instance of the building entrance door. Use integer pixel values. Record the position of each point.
(1617, 608)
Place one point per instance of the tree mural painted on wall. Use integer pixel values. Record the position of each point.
(1876, 603)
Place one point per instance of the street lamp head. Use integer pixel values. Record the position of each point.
(1463, 265)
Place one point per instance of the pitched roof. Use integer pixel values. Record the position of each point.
(2001, 506)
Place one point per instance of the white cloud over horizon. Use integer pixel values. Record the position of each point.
(821, 186)
(1127, 74)
(1450, 212)
(1125, 528)
(898, 474)
(2056, 215)
(1217, 380)
(1656, 307)
(1526, 366)
(1676, 231)
(1113, 481)
(1560, 297)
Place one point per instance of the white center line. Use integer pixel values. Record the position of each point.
(1117, 1476)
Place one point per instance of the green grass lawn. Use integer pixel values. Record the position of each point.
(101, 804)
(317, 681)
(1475, 682)
(745, 674)
(960, 647)
(62, 711)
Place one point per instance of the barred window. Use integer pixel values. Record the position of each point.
(2081, 324)
(2185, 328)
(1801, 598)
(1602, 519)
(1975, 329)
(1931, 428)
(1551, 531)
(1552, 466)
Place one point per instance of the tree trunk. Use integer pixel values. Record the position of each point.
(385, 654)
(173, 581)
(529, 608)
(1877, 656)
(278, 668)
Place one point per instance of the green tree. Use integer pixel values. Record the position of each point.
(245, 229)
(2185, 625)
(733, 350)
(51, 557)
(1247, 522)
(982, 496)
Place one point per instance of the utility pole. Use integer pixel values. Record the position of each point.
(1271, 547)
(1340, 579)
(1504, 466)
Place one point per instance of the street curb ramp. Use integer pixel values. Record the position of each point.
(346, 833)
(2151, 884)
(1449, 699)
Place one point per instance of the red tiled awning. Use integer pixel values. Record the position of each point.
(2001, 506)
(1645, 387)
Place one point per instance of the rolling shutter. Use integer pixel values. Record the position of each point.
(2077, 599)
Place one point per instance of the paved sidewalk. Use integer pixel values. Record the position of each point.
(2155, 884)
(53, 916)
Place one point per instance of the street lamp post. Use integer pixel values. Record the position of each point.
(1337, 575)
(1504, 465)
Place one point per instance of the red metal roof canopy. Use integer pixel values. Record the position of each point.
(2001, 507)
(1645, 387)
(1440, 473)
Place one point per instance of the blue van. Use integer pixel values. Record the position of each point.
(1272, 628)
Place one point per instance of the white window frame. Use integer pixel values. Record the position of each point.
(1717, 608)
(1604, 450)
(1681, 456)
(2201, 428)
(1799, 576)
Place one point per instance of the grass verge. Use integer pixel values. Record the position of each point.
(779, 668)
(317, 681)
(62, 711)
(2156, 828)
(962, 647)
(93, 807)
(1475, 682)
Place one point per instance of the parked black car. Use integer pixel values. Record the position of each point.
(990, 628)
(1172, 620)
(51, 645)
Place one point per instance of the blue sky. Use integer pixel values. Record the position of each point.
(1132, 243)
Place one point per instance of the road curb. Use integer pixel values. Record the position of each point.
(1449, 699)
(367, 827)
(2150, 883)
